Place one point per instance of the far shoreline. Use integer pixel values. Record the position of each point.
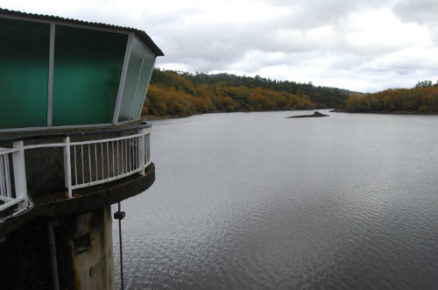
(150, 117)
(387, 112)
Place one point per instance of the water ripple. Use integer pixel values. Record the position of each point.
(254, 201)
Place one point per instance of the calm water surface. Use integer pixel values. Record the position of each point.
(257, 201)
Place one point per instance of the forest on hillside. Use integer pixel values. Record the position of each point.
(174, 93)
(182, 94)
(421, 99)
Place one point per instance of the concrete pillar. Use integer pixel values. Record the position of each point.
(86, 259)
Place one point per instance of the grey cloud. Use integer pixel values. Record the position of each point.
(421, 11)
(283, 40)
(225, 43)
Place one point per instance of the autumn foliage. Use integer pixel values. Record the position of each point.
(181, 94)
(422, 99)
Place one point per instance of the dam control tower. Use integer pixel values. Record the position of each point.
(72, 143)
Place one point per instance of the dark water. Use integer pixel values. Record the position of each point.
(257, 201)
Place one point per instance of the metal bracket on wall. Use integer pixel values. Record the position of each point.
(119, 215)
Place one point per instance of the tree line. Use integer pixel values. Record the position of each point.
(174, 93)
(423, 98)
(182, 94)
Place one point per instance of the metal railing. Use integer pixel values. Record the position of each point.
(98, 161)
(86, 163)
(13, 189)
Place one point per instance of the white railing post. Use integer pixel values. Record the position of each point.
(148, 147)
(19, 168)
(2, 178)
(141, 150)
(67, 166)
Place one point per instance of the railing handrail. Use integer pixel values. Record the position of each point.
(4, 150)
(108, 139)
(75, 133)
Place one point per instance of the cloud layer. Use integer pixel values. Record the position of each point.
(359, 45)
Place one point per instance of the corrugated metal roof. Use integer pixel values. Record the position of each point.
(139, 33)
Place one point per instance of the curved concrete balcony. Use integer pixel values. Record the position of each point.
(75, 167)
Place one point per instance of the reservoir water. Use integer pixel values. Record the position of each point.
(258, 201)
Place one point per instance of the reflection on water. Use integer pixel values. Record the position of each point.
(257, 201)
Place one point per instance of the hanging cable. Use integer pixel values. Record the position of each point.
(53, 258)
(119, 215)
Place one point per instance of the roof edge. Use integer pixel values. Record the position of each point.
(142, 35)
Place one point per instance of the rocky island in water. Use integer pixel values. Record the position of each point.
(315, 114)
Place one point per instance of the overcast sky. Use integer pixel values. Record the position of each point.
(358, 45)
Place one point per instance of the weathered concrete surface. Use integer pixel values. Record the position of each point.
(68, 131)
(25, 258)
(45, 166)
(25, 253)
(57, 205)
(83, 232)
(24, 241)
(83, 267)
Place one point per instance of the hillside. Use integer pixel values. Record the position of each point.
(182, 94)
(421, 99)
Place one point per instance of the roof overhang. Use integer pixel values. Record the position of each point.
(85, 24)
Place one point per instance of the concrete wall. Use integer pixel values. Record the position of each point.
(84, 253)
(25, 258)
(94, 267)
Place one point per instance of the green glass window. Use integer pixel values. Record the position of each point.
(139, 71)
(24, 65)
(87, 70)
